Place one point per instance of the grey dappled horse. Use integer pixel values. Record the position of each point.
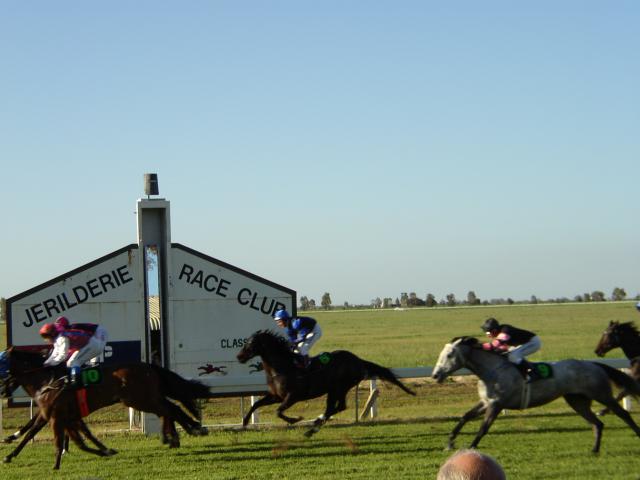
(501, 386)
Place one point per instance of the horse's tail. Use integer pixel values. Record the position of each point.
(375, 370)
(180, 389)
(621, 379)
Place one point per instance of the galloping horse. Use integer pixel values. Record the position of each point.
(142, 386)
(625, 336)
(287, 384)
(502, 386)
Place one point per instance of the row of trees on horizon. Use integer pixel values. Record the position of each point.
(409, 300)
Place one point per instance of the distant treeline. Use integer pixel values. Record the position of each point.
(409, 300)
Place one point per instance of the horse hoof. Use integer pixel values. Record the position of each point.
(203, 431)
(309, 433)
(6, 460)
(110, 452)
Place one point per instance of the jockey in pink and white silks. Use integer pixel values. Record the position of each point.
(75, 343)
(302, 332)
(516, 341)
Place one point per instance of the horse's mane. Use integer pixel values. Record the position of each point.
(275, 341)
(628, 327)
(25, 355)
(466, 340)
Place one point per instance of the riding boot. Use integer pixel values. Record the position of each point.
(306, 361)
(300, 362)
(530, 373)
(74, 377)
(524, 369)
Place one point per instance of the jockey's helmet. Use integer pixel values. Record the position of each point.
(490, 324)
(281, 315)
(61, 323)
(48, 330)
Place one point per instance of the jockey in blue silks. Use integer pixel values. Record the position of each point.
(302, 332)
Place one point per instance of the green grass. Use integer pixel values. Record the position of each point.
(408, 438)
(415, 337)
(549, 446)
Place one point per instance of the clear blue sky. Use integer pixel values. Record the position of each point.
(360, 148)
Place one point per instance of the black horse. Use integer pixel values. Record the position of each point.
(138, 385)
(625, 336)
(288, 384)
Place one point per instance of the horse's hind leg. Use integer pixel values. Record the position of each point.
(582, 406)
(334, 402)
(191, 426)
(624, 415)
(169, 432)
(475, 412)
(606, 410)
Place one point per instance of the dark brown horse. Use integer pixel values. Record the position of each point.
(287, 384)
(625, 336)
(142, 386)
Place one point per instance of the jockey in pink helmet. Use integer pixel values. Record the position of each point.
(73, 343)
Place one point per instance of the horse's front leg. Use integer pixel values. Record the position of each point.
(77, 439)
(268, 399)
(476, 411)
(87, 433)
(21, 431)
(287, 402)
(58, 433)
(36, 426)
(490, 415)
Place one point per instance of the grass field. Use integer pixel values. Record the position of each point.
(408, 438)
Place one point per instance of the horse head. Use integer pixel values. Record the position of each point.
(19, 367)
(5, 378)
(610, 339)
(261, 343)
(624, 335)
(452, 357)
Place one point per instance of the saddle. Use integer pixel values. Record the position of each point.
(533, 371)
(319, 361)
(88, 376)
(315, 363)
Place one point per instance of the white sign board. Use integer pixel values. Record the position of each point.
(215, 307)
(108, 291)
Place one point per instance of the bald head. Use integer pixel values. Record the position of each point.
(471, 465)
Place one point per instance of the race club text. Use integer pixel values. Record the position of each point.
(220, 287)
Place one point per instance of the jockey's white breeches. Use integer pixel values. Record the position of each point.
(517, 354)
(303, 347)
(93, 348)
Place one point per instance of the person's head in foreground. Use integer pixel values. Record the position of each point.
(470, 465)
